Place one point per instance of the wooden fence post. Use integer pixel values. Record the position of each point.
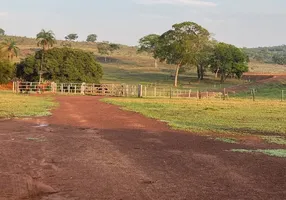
(170, 92)
(126, 92)
(190, 91)
(62, 88)
(140, 91)
(253, 94)
(224, 93)
(155, 91)
(82, 88)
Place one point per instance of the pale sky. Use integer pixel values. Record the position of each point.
(248, 23)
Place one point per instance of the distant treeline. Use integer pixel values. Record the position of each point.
(275, 54)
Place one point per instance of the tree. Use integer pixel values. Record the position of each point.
(6, 71)
(10, 48)
(71, 37)
(113, 47)
(45, 39)
(91, 38)
(148, 44)
(203, 58)
(106, 48)
(62, 65)
(2, 32)
(180, 45)
(227, 60)
(279, 59)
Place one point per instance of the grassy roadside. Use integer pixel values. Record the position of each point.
(212, 116)
(13, 105)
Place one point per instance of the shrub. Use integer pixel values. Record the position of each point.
(7, 71)
(61, 65)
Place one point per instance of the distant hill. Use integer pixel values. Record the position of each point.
(275, 54)
(29, 45)
(261, 58)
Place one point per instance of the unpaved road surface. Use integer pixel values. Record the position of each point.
(89, 150)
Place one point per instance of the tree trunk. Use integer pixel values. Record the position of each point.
(216, 73)
(201, 72)
(155, 63)
(177, 74)
(222, 77)
(198, 72)
(41, 67)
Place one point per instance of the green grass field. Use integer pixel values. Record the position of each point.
(212, 116)
(13, 105)
(271, 91)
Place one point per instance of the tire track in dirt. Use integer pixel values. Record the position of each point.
(92, 150)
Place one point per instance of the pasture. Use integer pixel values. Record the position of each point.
(14, 105)
(213, 116)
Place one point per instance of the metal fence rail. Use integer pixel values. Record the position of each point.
(119, 90)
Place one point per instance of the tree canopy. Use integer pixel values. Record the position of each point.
(6, 71)
(10, 48)
(62, 65)
(267, 54)
(91, 38)
(106, 48)
(71, 37)
(2, 32)
(227, 60)
(181, 44)
(46, 39)
(279, 59)
(149, 44)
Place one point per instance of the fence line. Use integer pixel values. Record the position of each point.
(126, 90)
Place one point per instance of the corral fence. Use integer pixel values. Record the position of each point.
(153, 91)
(118, 90)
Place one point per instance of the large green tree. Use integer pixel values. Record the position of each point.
(148, 44)
(46, 39)
(181, 44)
(91, 38)
(228, 60)
(10, 48)
(62, 65)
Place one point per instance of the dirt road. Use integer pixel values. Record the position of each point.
(89, 150)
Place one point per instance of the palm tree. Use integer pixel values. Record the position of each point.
(10, 47)
(46, 39)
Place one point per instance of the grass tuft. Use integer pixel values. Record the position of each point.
(281, 153)
(227, 140)
(275, 139)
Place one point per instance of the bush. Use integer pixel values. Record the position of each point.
(6, 71)
(61, 65)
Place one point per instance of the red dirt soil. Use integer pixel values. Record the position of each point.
(90, 150)
(8, 86)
